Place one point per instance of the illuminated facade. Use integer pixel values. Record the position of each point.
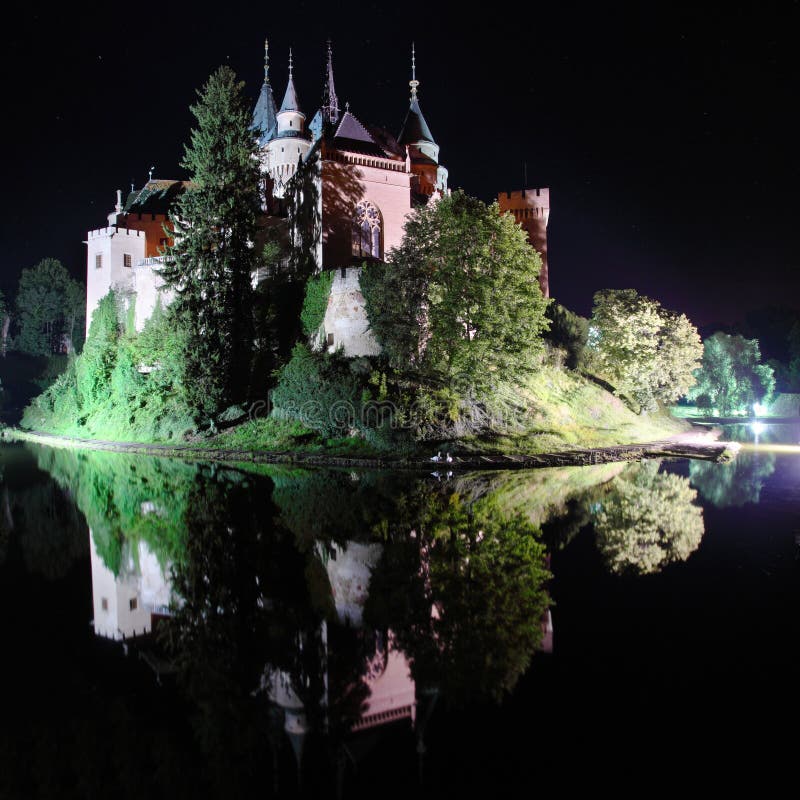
(341, 186)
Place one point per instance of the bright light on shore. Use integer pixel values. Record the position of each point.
(759, 409)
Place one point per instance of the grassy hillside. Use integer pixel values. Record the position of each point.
(565, 409)
(558, 409)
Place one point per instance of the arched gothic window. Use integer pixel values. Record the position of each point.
(367, 230)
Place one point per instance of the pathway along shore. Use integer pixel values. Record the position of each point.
(688, 445)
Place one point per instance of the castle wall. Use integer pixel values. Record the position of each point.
(152, 225)
(346, 323)
(149, 287)
(344, 185)
(118, 610)
(531, 209)
(111, 245)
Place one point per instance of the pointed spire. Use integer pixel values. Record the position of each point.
(330, 102)
(414, 129)
(290, 101)
(265, 112)
(413, 83)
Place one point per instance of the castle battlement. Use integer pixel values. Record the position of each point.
(526, 198)
(114, 230)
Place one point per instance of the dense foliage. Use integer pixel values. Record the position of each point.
(321, 390)
(568, 331)
(647, 352)
(731, 377)
(648, 520)
(459, 299)
(213, 258)
(315, 303)
(124, 385)
(50, 310)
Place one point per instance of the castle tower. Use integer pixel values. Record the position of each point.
(531, 209)
(423, 151)
(291, 142)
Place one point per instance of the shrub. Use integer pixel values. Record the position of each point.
(568, 331)
(321, 391)
(315, 303)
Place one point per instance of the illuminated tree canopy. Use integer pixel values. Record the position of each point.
(731, 376)
(460, 298)
(647, 352)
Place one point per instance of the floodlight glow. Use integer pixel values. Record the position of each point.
(759, 409)
(758, 427)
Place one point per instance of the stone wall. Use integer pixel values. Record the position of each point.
(346, 324)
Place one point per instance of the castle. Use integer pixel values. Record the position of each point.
(359, 183)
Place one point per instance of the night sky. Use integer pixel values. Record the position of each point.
(667, 135)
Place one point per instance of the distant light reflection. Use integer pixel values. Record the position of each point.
(758, 428)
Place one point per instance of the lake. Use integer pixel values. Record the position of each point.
(194, 630)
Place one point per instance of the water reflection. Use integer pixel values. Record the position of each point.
(304, 612)
(736, 483)
(648, 519)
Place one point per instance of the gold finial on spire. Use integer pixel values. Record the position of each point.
(266, 60)
(290, 62)
(413, 83)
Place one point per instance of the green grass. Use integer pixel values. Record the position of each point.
(565, 410)
(556, 410)
(285, 435)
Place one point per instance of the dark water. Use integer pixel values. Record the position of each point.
(184, 630)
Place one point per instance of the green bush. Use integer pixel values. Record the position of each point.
(318, 289)
(125, 387)
(321, 391)
(568, 331)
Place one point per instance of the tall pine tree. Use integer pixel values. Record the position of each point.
(213, 257)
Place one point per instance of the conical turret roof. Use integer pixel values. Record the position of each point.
(415, 129)
(290, 101)
(264, 114)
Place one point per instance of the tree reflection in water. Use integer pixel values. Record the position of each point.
(733, 484)
(42, 521)
(647, 520)
(310, 608)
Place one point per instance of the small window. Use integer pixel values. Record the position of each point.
(104, 603)
(127, 260)
(330, 340)
(98, 261)
(344, 272)
(290, 123)
(134, 603)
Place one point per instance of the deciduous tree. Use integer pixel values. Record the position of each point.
(647, 352)
(731, 377)
(50, 304)
(460, 297)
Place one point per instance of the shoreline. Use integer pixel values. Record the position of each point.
(693, 445)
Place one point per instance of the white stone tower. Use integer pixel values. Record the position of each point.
(291, 141)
